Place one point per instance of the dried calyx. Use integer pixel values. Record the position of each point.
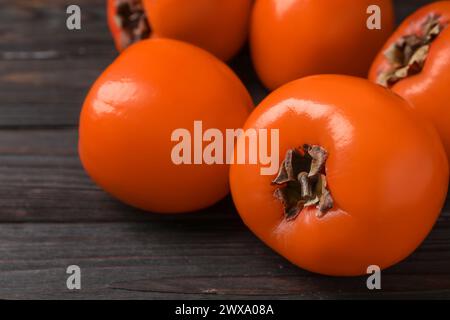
(408, 55)
(132, 21)
(302, 181)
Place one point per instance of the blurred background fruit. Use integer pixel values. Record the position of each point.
(219, 26)
(296, 38)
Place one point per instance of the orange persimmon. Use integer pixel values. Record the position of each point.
(218, 26)
(297, 38)
(415, 63)
(363, 181)
(154, 87)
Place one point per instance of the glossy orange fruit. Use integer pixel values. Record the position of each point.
(296, 38)
(415, 63)
(366, 180)
(128, 118)
(219, 26)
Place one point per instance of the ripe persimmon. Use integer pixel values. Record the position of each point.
(154, 87)
(297, 38)
(218, 26)
(415, 63)
(363, 181)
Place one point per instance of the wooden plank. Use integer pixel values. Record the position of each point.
(73, 222)
(161, 259)
(43, 180)
(45, 93)
(46, 69)
(41, 25)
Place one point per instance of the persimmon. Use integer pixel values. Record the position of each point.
(362, 183)
(218, 26)
(297, 38)
(154, 87)
(415, 63)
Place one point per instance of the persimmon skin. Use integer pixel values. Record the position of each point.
(219, 26)
(387, 173)
(427, 91)
(297, 38)
(153, 88)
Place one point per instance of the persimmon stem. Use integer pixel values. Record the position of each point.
(302, 181)
(132, 20)
(407, 56)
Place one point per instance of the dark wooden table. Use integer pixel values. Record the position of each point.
(53, 216)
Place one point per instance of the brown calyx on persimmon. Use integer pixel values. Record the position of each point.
(131, 19)
(303, 182)
(408, 55)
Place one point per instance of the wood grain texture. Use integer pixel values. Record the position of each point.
(52, 215)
